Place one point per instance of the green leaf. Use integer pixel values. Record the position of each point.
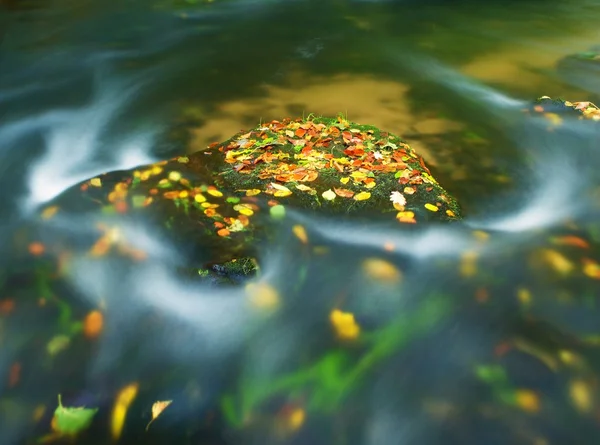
(71, 421)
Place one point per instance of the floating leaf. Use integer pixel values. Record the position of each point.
(362, 196)
(119, 413)
(71, 421)
(329, 195)
(262, 295)
(381, 270)
(157, 409)
(92, 324)
(581, 395)
(300, 233)
(96, 182)
(277, 212)
(344, 324)
(527, 400)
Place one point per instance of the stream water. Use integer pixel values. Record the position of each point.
(485, 332)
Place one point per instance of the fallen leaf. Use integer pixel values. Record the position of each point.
(281, 191)
(70, 421)
(344, 193)
(329, 195)
(362, 196)
(262, 295)
(344, 324)
(300, 233)
(157, 409)
(381, 270)
(119, 413)
(92, 324)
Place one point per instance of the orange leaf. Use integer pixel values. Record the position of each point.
(92, 324)
(223, 232)
(344, 193)
(36, 248)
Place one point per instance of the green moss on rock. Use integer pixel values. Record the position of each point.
(217, 202)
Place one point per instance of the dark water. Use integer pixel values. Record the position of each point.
(480, 333)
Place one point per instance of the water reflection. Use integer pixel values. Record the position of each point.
(479, 332)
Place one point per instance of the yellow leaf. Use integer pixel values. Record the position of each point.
(300, 233)
(244, 209)
(370, 185)
(381, 270)
(119, 413)
(304, 188)
(199, 198)
(157, 409)
(215, 193)
(296, 419)
(345, 180)
(344, 324)
(329, 195)
(49, 212)
(262, 295)
(431, 207)
(362, 196)
(281, 191)
(96, 182)
(252, 192)
(174, 176)
(527, 400)
(581, 395)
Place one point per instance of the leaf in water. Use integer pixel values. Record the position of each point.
(93, 324)
(381, 270)
(157, 409)
(344, 324)
(362, 196)
(124, 399)
(71, 421)
(329, 195)
(300, 233)
(262, 295)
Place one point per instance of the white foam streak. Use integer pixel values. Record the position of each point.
(73, 139)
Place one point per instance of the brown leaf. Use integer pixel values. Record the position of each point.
(344, 193)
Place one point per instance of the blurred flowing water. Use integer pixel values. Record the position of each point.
(482, 332)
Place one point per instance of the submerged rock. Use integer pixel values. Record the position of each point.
(582, 69)
(553, 108)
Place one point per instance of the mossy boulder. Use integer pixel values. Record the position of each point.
(220, 202)
(582, 69)
(554, 108)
